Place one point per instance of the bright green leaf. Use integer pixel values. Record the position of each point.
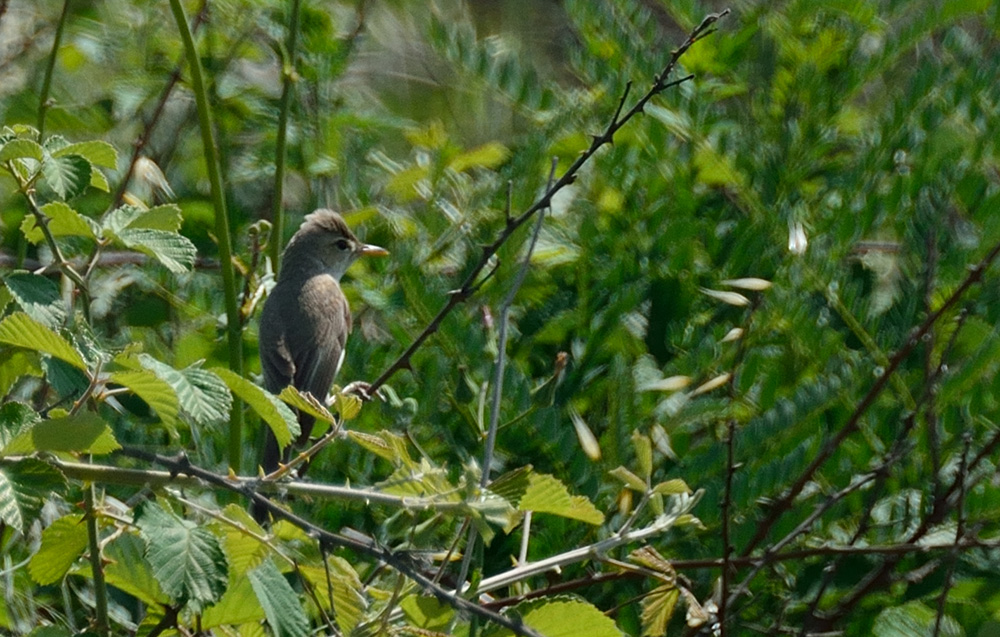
(24, 487)
(631, 480)
(96, 152)
(20, 330)
(546, 494)
(63, 221)
(62, 543)
(281, 604)
(275, 413)
(21, 149)
(158, 394)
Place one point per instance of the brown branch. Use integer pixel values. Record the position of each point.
(468, 286)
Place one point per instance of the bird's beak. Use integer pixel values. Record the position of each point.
(373, 251)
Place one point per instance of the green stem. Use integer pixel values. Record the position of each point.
(43, 104)
(288, 81)
(100, 589)
(234, 330)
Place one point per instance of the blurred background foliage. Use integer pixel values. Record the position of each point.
(866, 128)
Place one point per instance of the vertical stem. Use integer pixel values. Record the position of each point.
(288, 81)
(100, 589)
(234, 330)
(43, 99)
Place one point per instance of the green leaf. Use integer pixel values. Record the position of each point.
(38, 296)
(129, 571)
(64, 221)
(657, 609)
(275, 413)
(20, 330)
(96, 152)
(174, 251)
(85, 432)
(427, 612)
(186, 559)
(488, 155)
(643, 454)
(631, 480)
(561, 617)
(238, 606)
(340, 582)
(201, 394)
(158, 394)
(306, 403)
(672, 487)
(167, 217)
(67, 176)
(24, 486)
(387, 445)
(15, 418)
(546, 494)
(21, 149)
(281, 604)
(913, 619)
(62, 543)
(243, 551)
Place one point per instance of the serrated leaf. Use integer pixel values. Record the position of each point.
(21, 149)
(20, 330)
(67, 176)
(512, 485)
(913, 618)
(348, 406)
(96, 152)
(63, 221)
(386, 444)
(174, 251)
(238, 606)
(657, 609)
(672, 487)
(38, 296)
(275, 413)
(201, 394)
(427, 613)
(62, 543)
(127, 569)
(99, 181)
(24, 486)
(280, 603)
(650, 558)
(186, 559)
(562, 617)
(349, 603)
(306, 403)
(546, 494)
(158, 394)
(85, 432)
(631, 480)
(243, 551)
(167, 217)
(488, 155)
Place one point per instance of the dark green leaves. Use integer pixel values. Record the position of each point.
(186, 559)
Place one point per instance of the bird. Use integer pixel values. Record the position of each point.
(306, 318)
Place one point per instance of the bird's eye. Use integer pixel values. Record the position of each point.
(343, 244)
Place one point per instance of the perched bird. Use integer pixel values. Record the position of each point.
(306, 319)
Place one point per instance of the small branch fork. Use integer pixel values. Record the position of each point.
(470, 285)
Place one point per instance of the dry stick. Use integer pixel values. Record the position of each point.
(180, 465)
(469, 286)
(854, 421)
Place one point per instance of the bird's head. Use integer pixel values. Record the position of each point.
(324, 243)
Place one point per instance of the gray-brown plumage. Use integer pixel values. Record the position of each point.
(306, 319)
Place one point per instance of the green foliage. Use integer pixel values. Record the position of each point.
(708, 312)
